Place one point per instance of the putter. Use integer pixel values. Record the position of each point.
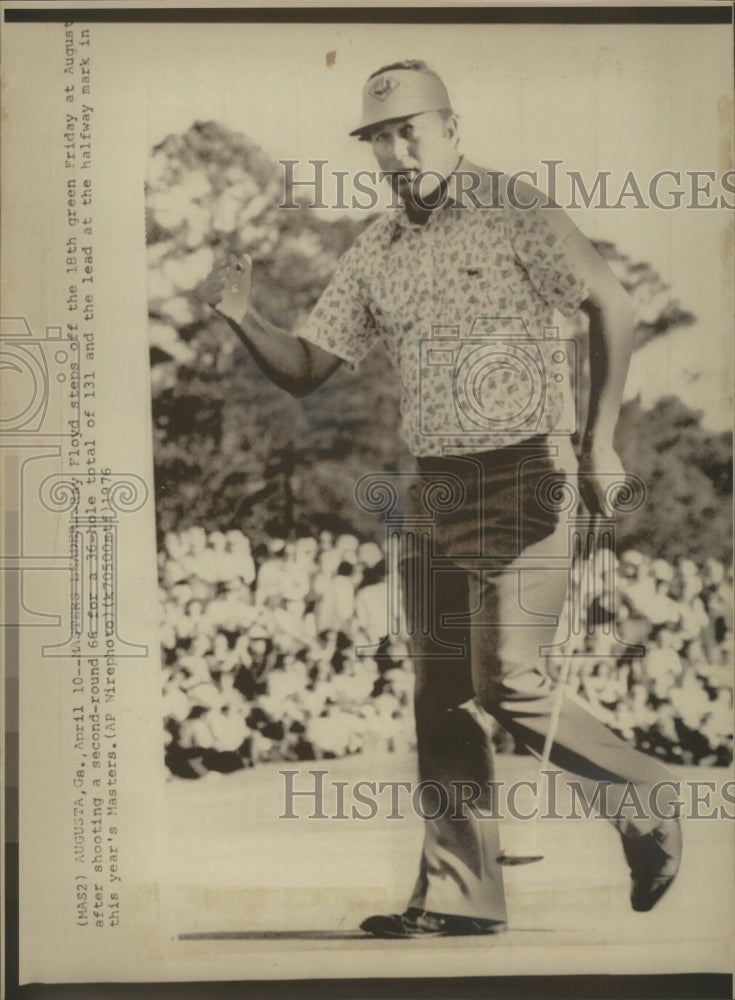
(510, 859)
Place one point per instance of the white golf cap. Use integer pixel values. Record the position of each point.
(401, 93)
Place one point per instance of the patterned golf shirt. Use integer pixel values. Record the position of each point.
(464, 305)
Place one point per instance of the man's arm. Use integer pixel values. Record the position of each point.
(290, 362)
(611, 325)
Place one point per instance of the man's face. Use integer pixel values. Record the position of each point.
(411, 146)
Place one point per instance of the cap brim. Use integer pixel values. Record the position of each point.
(361, 130)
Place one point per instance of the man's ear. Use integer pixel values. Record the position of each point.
(451, 126)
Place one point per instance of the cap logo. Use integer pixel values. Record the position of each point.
(382, 87)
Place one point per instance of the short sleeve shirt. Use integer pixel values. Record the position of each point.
(464, 305)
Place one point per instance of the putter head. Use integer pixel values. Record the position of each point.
(518, 859)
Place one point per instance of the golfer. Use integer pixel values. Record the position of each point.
(460, 285)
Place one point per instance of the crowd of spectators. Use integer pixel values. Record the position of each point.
(676, 701)
(280, 652)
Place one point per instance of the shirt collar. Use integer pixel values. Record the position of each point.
(457, 198)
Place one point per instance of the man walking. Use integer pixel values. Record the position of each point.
(460, 285)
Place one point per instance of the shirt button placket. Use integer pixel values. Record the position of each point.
(418, 283)
(431, 299)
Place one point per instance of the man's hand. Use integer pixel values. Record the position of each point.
(289, 361)
(227, 286)
(601, 477)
